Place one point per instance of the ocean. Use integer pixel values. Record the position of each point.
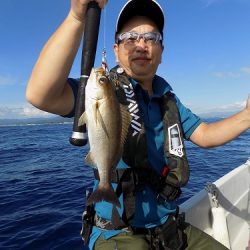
(43, 181)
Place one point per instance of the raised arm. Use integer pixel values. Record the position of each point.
(221, 132)
(48, 88)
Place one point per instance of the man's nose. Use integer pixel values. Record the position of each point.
(141, 43)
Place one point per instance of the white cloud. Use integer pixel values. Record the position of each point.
(245, 70)
(232, 107)
(22, 111)
(7, 80)
(226, 74)
(230, 74)
(209, 2)
(227, 108)
(31, 111)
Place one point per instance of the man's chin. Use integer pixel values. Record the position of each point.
(141, 76)
(141, 69)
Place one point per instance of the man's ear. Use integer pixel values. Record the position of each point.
(162, 46)
(115, 48)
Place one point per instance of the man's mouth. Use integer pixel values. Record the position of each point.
(141, 59)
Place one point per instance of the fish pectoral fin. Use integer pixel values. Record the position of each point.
(100, 121)
(89, 160)
(126, 121)
(82, 120)
(95, 112)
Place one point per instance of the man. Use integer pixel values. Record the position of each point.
(148, 218)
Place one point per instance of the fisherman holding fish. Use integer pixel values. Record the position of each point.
(136, 127)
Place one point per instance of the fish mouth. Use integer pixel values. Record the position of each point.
(100, 74)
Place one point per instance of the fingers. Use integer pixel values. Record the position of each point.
(79, 7)
(102, 3)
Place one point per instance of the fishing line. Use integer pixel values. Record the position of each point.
(104, 54)
(104, 27)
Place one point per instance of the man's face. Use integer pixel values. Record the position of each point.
(140, 60)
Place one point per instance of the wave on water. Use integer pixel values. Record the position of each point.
(44, 179)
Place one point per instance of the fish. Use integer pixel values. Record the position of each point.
(107, 123)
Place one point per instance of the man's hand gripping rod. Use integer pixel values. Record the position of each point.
(79, 135)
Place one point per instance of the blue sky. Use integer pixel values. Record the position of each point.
(206, 57)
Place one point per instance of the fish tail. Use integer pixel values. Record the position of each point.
(104, 193)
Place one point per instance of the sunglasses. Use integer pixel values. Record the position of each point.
(133, 37)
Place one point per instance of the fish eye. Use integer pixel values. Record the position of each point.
(103, 80)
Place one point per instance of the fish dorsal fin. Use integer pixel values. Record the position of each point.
(126, 121)
(82, 120)
(89, 160)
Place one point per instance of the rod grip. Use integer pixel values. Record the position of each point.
(79, 134)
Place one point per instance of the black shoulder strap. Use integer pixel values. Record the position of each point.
(127, 187)
(135, 151)
(174, 147)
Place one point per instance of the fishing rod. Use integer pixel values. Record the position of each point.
(79, 135)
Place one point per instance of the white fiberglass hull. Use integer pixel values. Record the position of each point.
(232, 209)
